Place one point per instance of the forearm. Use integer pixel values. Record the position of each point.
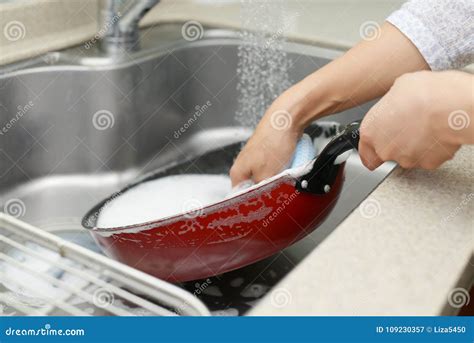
(365, 72)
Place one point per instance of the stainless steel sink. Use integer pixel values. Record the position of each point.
(76, 126)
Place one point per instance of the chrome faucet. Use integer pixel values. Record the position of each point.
(120, 30)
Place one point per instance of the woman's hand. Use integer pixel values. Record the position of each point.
(271, 147)
(421, 122)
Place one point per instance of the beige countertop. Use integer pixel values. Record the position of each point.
(405, 259)
(33, 27)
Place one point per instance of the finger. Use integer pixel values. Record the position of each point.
(259, 176)
(239, 173)
(369, 157)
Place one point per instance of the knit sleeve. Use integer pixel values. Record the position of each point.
(442, 30)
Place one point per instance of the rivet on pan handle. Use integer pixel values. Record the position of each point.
(323, 174)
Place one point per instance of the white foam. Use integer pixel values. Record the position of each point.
(164, 197)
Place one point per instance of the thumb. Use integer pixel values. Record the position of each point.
(369, 157)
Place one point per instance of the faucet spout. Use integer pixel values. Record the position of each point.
(121, 29)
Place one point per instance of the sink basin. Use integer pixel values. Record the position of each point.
(78, 126)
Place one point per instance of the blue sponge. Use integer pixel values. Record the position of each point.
(304, 152)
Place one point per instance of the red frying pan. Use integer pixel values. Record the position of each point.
(235, 232)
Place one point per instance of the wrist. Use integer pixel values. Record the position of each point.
(313, 98)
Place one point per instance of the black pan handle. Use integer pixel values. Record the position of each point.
(324, 171)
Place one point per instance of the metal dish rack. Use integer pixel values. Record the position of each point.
(42, 274)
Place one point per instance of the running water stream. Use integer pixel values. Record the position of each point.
(263, 64)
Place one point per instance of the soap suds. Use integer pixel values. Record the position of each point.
(254, 291)
(237, 282)
(164, 197)
(213, 290)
